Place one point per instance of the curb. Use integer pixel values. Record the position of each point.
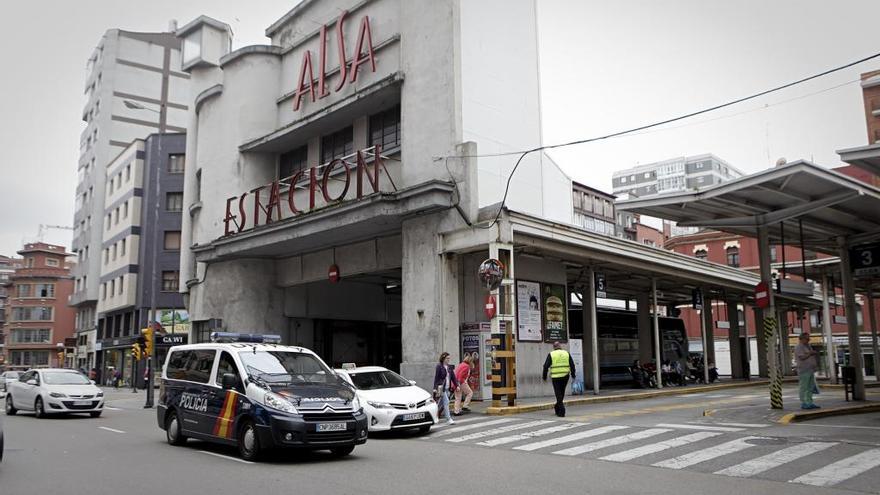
(507, 410)
(824, 413)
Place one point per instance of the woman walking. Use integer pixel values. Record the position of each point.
(462, 372)
(444, 381)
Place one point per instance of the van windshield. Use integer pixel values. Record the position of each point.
(278, 368)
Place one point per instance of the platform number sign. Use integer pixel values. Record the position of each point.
(865, 260)
(600, 285)
(697, 299)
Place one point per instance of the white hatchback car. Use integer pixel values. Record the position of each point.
(391, 401)
(53, 391)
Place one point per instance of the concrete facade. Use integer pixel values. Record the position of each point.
(133, 87)
(463, 80)
(673, 175)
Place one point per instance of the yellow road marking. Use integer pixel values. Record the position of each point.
(656, 409)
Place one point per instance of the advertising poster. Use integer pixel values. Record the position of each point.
(528, 314)
(576, 350)
(470, 345)
(555, 318)
(174, 320)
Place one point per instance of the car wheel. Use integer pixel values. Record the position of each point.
(342, 451)
(173, 433)
(10, 409)
(424, 430)
(39, 409)
(95, 414)
(248, 442)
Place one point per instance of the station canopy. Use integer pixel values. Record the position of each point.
(827, 205)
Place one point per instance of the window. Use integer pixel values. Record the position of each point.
(227, 365)
(109, 220)
(385, 128)
(128, 172)
(733, 257)
(103, 291)
(106, 255)
(337, 145)
(35, 313)
(198, 366)
(176, 164)
(623, 180)
(176, 368)
(576, 199)
(31, 336)
(121, 286)
(122, 248)
(52, 262)
(292, 162)
(23, 290)
(29, 262)
(772, 254)
(44, 290)
(174, 201)
(647, 175)
(701, 254)
(170, 281)
(172, 240)
(29, 358)
(114, 252)
(116, 216)
(112, 287)
(125, 210)
(587, 204)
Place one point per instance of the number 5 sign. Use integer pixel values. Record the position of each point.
(865, 260)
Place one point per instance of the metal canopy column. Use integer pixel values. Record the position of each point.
(643, 319)
(849, 300)
(872, 317)
(784, 346)
(709, 343)
(591, 334)
(769, 325)
(733, 338)
(826, 331)
(657, 348)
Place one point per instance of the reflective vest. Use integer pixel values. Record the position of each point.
(559, 363)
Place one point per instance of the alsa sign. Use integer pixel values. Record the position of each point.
(363, 54)
(268, 209)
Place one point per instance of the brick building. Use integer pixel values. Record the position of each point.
(38, 318)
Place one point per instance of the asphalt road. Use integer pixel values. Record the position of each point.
(649, 447)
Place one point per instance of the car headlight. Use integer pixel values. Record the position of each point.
(430, 400)
(100, 394)
(275, 401)
(57, 395)
(379, 405)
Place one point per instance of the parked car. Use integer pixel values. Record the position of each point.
(391, 401)
(5, 378)
(54, 391)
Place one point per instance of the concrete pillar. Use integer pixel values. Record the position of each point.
(430, 306)
(591, 337)
(643, 312)
(826, 331)
(763, 370)
(658, 347)
(709, 349)
(736, 349)
(849, 300)
(872, 317)
(770, 357)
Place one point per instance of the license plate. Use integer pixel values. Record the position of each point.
(413, 416)
(331, 427)
(82, 403)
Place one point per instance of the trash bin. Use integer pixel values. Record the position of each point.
(848, 374)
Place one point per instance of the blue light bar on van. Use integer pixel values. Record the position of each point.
(254, 338)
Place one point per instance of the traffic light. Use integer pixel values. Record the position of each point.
(148, 341)
(136, 351)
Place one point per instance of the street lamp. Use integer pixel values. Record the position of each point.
(137, 106)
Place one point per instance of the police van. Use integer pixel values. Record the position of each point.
(248, 391)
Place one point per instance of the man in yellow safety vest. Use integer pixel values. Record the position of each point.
(560, 365)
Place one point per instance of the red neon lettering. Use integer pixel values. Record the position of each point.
(229, 216)
(358, 58)
(326, 178)
(363, 168)
(340, 43)
(322, 64)
(274, 202)
(241, 212)
(291, 193)
(303, 88)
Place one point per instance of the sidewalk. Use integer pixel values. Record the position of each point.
(612, 395)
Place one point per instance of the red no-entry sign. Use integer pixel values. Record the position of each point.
(490, 306)
(333, 273)
(762, 295)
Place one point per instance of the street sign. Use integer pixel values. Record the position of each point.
(723, 324)
(865, 260)
(600, 285)
(762, 295)
(172, 340)
(490, 307)
(333, 273)
(697, 299)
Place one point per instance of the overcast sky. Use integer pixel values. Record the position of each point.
(606, 66)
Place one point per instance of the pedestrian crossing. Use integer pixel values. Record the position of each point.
(724, 449)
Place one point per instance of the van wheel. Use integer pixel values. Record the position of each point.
(342, 451)
(39, 410)
(10, 409)
(173, 433)
(248, 442)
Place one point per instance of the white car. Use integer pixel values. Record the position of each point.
(391, 401)
(53, 391)
(5, 378)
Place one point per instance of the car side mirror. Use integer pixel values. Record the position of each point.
(412, 382)
(31, 382)
(228, 381)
